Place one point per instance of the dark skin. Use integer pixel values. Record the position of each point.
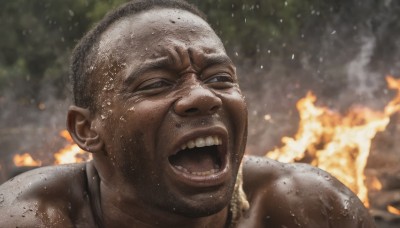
(158, 90)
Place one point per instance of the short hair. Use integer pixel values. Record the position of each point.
(83, 55)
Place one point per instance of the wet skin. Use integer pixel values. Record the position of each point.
(162, 79)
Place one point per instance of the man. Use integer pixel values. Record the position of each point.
(157, 102)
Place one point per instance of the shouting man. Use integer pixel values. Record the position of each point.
(157, 102)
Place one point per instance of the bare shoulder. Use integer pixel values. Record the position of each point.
(298, 195)
(44, 197)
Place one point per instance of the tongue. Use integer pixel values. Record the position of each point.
(196, 160)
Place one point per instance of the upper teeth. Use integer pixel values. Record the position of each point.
(202, 142)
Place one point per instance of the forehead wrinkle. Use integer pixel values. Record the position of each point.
(180, 59)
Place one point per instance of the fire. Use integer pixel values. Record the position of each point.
(393, 210)
(339, 144)
(376, 184)
(69, 154)
(25, 160)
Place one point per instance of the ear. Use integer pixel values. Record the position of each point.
(80, 127)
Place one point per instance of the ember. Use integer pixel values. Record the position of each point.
(375, 184)
(393, 210)
(339, 144)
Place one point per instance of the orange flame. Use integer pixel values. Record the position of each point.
(335, 143)
(375, 184)
(25, 160)
(393, 210)
(71, 153)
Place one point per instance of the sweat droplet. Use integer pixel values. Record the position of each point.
(131, 109)
(103, 117)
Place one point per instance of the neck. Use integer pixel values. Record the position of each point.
(119, 212)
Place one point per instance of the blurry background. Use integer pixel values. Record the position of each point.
(342, 50)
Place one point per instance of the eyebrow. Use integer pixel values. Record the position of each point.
(215, 59)
(218, 59)
(167, 62)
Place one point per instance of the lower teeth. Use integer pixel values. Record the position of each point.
(205, 173)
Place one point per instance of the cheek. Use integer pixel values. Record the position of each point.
(143, 118)
(145, 114)
(235, 106)
(236, 111)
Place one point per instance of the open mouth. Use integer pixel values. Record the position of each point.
(199, 157)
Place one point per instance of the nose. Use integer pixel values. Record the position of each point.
(198, 101)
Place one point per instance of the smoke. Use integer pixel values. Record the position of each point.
(344, 63)
(363, 81)
(31, 125)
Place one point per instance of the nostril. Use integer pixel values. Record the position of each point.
(191, 110)
(214, 109)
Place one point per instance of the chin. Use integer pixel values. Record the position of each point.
(203, 204)
(202, 209)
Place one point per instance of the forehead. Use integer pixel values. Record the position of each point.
(150, 31)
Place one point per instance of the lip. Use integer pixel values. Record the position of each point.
(210, 180)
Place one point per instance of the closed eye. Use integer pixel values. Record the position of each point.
(154, 84)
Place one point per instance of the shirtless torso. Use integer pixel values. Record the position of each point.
(280, 195)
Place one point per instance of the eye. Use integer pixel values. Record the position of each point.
(220, 81)
(154, 85)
